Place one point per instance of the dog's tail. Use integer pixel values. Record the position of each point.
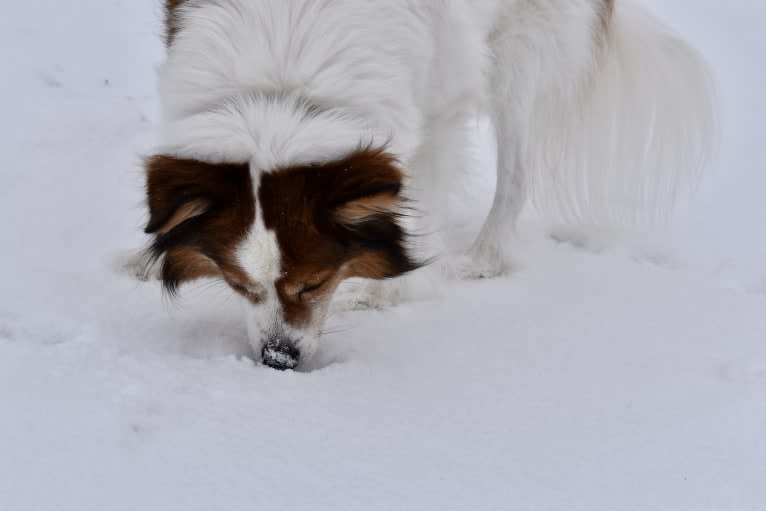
(635, 138)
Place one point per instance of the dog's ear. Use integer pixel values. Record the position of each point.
(197, 210)
(179, 190)
(366, 185)
(175, 192)
(384, 201)
(367, 210)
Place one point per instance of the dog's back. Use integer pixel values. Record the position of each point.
(394, 63)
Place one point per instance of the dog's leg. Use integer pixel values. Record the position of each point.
(512, 87)
(487, 256)
(603, 117)
(544, 53)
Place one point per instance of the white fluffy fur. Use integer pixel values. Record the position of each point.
(597, 127)
(597, 122)
(298, 133)
(621, 143)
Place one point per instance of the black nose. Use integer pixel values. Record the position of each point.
(281, 355)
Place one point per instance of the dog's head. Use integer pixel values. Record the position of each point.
(283, 239)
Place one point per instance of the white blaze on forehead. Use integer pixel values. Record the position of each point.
(260, 257)
(258, 253)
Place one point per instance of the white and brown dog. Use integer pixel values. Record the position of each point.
(293, 128)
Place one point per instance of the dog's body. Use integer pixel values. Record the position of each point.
(293, 127)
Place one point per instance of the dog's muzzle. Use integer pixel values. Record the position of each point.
(281, 354)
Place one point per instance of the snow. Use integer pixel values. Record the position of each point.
(623, 376)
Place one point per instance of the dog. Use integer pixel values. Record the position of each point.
(297, 135)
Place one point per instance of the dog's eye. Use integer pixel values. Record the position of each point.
(254, 295)
(310, 288)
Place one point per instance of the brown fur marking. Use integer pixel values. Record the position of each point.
(190, 264)
(333, 221)
(199, 213)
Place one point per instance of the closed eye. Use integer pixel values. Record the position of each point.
(252, 294)
(309, 288)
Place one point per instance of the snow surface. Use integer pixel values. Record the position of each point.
(626, 377)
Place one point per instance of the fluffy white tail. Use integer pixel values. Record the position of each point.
(634, 139)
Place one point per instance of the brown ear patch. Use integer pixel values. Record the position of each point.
(368, 265)
(360, 210)
(198, 212)
(184, 264)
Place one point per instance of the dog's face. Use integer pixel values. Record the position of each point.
(283, 240)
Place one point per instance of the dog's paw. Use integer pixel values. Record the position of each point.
(591, 240)
(136, 264)
(379, 294)
(478, 266)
